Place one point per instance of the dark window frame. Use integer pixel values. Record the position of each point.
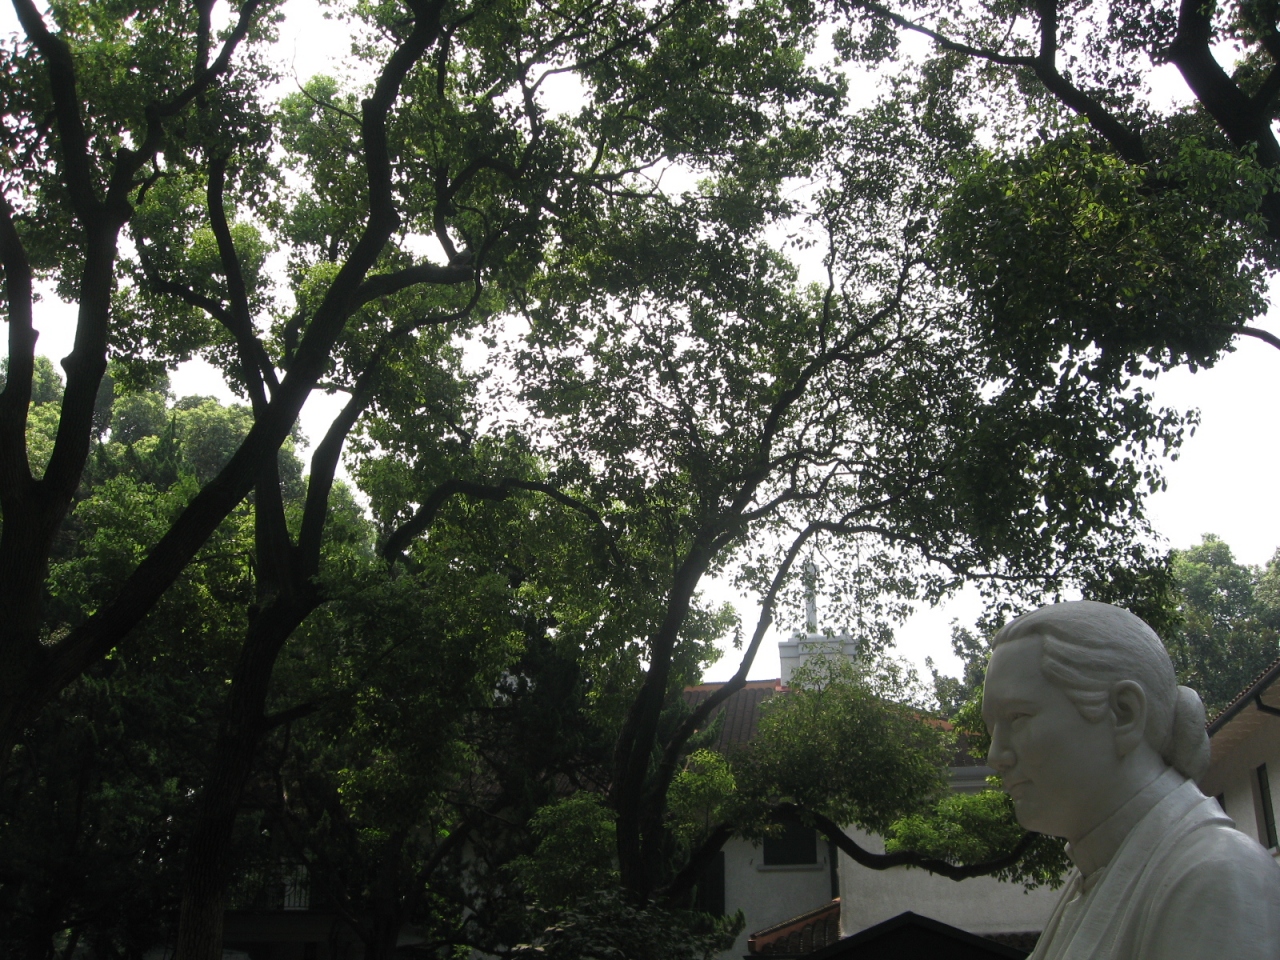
(797, 846)
(1266, 809)
(708, 895)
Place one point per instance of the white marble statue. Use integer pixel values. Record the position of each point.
(1095, 742)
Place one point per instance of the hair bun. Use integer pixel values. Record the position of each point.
(1188, 742)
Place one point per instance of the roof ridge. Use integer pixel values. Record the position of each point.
(810, 915)
(1255, 687)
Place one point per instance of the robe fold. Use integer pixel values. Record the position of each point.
(1184, 885)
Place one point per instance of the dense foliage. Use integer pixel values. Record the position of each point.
(574, 392)
(1073, 99)
(1230, 621)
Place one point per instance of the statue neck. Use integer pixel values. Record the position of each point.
(1095, 849)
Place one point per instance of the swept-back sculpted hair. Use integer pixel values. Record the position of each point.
(1090, 646)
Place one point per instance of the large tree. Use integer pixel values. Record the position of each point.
(714, 414)
(95, 807)
(695, 406)
(146, 123)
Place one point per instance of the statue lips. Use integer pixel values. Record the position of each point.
(1016, 789)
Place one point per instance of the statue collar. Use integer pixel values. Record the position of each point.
(1094, 851)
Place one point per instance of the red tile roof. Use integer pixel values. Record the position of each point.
(799, 935)
(1256, 688)
(741, 710)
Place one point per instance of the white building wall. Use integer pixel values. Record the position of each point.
(767, 894)
(799, 647)
(1235, 777)
(979, 905)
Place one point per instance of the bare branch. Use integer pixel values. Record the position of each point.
(422, 520)
(256, 364)
(1262, 335)
(909, 858)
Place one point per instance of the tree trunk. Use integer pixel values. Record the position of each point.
(382, 939)
(633, 754)
(380, 927)
(207, 868)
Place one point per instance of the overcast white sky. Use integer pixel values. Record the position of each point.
(1224, 482)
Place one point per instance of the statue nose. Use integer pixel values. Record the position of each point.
(1000, 757)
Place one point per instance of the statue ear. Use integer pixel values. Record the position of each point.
(1129, 709)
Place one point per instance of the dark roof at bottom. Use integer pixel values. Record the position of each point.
(909, 936)
(1026, 942)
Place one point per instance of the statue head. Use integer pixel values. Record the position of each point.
(1084, 710)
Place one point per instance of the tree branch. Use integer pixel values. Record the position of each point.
(399, 540)
(1262, 335)
(633, 750)
(15, 399)
(343, 296)
(253, 357)
(277, 573)
(129, 162)
(1126, 142)
(695, 720)
(945, 42)
(676, 893)
(88, 642)
(74, 140)
(385, 284)
(909, 858)
(1244, 121)
(324, 464)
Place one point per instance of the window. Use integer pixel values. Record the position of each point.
(797, 844)
(833, 858)
(1267, 812)
(708, 895)
(297, 886)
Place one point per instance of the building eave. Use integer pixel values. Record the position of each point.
(1250, 696)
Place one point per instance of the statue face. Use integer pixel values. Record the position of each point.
(1060, 769)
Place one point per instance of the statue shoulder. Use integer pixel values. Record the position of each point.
(1219, 896)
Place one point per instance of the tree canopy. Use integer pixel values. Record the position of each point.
(1085, 142)
(1230, 623)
